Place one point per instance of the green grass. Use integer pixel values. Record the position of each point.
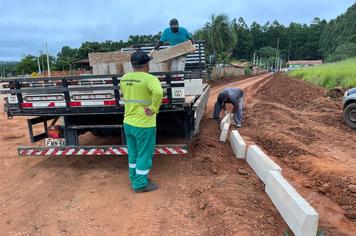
(330, 75)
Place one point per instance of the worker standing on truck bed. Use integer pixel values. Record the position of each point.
(174, 35)
(234, 96)
(142, 96)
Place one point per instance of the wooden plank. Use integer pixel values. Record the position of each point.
(154, 67)
(159, 67)
(173, 52)
(109, 57)
(127, 67)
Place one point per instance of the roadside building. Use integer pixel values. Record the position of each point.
(303, 63)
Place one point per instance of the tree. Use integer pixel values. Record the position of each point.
(243, 48)
(218, 35)
(339, 31)
(224, 58)
(343, 52)
(27, 65)
(66, 57)
(8, 68)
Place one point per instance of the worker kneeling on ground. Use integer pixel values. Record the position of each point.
(174, 35)
(142, 96)
(234, 96)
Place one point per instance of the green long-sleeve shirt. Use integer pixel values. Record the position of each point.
(141, 90)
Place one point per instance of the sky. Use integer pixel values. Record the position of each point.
(25, 25)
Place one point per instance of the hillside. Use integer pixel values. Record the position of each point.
(340, 34)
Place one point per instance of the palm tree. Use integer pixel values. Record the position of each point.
(218, 34)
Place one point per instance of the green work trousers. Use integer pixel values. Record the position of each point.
(140, 144)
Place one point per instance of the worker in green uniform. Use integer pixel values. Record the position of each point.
(142, 97)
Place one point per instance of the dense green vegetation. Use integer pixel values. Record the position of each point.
(330, 41)
(7, 68)
(229, 40)
(330, 75)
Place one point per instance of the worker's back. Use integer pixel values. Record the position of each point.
(139, 88)
(234, 94)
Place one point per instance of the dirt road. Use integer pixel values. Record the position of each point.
(210, 193)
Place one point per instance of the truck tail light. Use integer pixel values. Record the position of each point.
(165, 100)
(75, 104)
(110, 103)
(26, 105)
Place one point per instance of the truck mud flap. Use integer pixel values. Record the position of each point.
(169, 149)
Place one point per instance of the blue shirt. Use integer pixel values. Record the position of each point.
(175, 38)
(234, 96)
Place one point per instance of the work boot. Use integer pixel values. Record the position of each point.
(148, 181)
(238, 125)
(149, 188)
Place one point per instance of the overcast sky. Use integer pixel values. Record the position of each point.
(26, 24)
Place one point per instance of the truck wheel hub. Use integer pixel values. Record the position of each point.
(352, 115)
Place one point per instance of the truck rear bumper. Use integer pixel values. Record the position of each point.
(171, 149)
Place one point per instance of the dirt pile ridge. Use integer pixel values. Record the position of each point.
(300, 126)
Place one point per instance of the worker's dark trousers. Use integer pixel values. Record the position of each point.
(140, 145)
(238, 111)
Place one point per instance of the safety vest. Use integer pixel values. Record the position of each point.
(141, 90)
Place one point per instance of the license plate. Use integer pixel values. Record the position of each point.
(55, 142)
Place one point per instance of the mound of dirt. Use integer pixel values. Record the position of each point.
(300, 126)
(336, 93)
(293, 93)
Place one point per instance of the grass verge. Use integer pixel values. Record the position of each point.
(330, 75)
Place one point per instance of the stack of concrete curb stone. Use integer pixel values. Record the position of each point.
(300, 216)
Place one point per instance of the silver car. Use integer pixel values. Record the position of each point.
(349, 106)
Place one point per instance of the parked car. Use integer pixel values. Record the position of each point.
(349, 108)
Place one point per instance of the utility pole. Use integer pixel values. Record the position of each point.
(39, 66)
(277, 54)
(42, 63)
(49, 69)
(254, 58)
(289, 49)
(278, 63)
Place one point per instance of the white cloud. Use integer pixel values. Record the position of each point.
(26, 25)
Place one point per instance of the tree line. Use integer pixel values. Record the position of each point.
(228, 40)
(331, 41)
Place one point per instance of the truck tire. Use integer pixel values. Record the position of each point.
(349, 115)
